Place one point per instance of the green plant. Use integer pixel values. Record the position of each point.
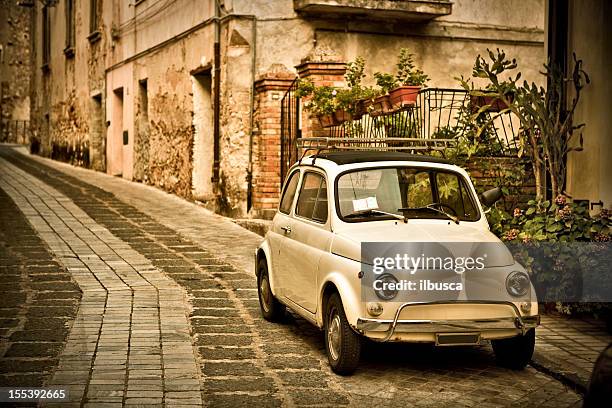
(558, 241)
(305, 87)
(547, 129)
(407, 73)
(385, 82)
(321, 100)
(354, 73)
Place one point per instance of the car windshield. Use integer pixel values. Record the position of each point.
(411, 192)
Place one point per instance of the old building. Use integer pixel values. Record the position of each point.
(15, 46)
(186, 94)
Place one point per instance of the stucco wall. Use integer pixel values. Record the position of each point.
(591, 39)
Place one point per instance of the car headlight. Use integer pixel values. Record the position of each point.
(385, 286)
(517, 284)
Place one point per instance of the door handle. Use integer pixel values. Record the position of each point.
(287, 229)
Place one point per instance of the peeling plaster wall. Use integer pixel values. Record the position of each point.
(161, 151)
(15, 54)
(61, 96)
(235, 105)
(165, 44)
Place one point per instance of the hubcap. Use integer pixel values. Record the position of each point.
(264, 293)
(333, 334)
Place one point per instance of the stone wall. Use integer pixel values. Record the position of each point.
(15, 65)
(82, 105)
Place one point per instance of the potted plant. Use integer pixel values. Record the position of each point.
(335, 106)
(355, 100)
(490, 99)
(382, 103)
(319, 100)
(410, 80)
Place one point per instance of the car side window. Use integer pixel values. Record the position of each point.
(312, 201)
(289, 193)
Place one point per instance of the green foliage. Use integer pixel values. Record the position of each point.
(385, 82)
(322, 98)
(544, 238)
(325, 100)
(547, 130)
(556, 220)
(407, 73)
(355, 72)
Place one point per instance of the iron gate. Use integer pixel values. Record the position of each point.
(290, 130)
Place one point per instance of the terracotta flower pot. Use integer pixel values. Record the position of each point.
(381, 106)
(361, 108)
(342, 116)
(328, 120)
(404, 96)
(495, 105)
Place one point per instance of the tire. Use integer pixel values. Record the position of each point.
(515, 352)
(271, 309)
(342, 344)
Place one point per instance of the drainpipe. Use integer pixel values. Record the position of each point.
(217, 97)
(251, 109)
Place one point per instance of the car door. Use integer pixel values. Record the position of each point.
(308, 241)
(280, 230)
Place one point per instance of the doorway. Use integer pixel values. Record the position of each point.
(115, 140)
(202, 186)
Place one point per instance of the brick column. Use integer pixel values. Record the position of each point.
(269, 90)
(320, 73)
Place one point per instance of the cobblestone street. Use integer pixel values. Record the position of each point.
(126, 295)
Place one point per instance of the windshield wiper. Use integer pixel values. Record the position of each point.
(365, 213)
(432, 207)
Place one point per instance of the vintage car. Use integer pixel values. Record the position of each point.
(332, 203)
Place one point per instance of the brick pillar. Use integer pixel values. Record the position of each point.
(269, 90)
(321, 74)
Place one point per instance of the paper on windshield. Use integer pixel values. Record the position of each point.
(365, 204)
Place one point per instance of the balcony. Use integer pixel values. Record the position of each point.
(404, 10)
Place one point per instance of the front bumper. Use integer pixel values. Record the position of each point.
(389, 328)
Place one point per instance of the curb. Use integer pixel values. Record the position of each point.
(569, 378)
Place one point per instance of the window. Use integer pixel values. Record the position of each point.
(312, 202)
(289, 194)
(367, 195)
(46, 37)
(93, 16)
(69, 50)
(452, 192)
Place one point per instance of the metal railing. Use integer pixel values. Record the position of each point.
(439, 113)
(15, 131)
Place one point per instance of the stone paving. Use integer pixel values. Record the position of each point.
(568, 348)
(130, 341)
(244, 360)
(38, 303)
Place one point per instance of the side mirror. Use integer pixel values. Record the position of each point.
(490, 197)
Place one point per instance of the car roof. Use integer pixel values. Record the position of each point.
(350, 157)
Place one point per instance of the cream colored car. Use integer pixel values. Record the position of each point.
(334, 203)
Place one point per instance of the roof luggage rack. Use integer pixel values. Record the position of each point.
(412, 145)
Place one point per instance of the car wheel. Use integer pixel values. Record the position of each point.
(515, 352)
(271, 309)
(342, 344)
